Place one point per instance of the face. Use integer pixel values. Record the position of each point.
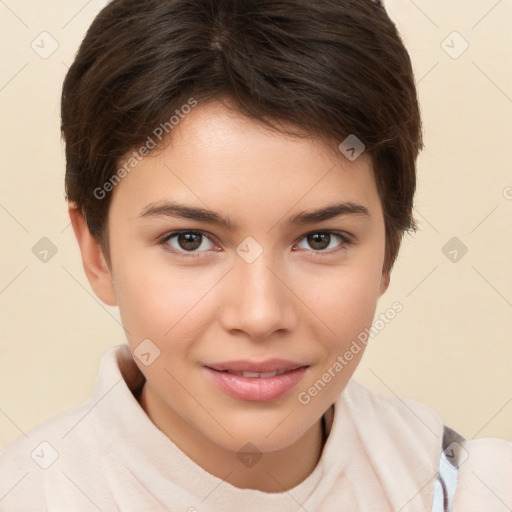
(211, 309)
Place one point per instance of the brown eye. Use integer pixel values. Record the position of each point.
(186, 243)
(325, 241)
(319, 241)
(189, 241)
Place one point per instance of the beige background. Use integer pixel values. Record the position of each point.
(449, 348)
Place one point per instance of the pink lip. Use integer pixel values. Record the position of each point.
(256, 389)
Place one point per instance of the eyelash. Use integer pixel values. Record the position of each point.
(345, 239)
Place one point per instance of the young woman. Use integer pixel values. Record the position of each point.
(239, 176)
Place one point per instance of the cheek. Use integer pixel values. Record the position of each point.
(347, 307)
(347, 303)
(159, 302)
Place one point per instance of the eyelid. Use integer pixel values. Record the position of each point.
(346, 237)
(173, 234)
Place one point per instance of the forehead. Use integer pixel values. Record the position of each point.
(217, 156)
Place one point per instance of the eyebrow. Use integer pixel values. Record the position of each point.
(182, 211)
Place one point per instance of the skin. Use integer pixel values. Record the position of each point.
(298, 300)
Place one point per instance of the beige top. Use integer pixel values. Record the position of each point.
(382, 454)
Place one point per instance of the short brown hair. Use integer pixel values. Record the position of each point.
(332, 68)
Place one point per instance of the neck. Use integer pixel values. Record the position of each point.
(275, 471)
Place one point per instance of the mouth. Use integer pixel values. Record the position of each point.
(270, 366)
(255, 375)
(256, 382)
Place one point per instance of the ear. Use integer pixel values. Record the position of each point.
(384, 283)
(93, 259)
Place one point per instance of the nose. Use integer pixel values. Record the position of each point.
(258, 300)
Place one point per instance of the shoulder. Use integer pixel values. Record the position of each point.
(485, 475)
(401, 439)
(27, 461)
(410, 434)
(413, 421)
(48, 456)
(399, 429)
